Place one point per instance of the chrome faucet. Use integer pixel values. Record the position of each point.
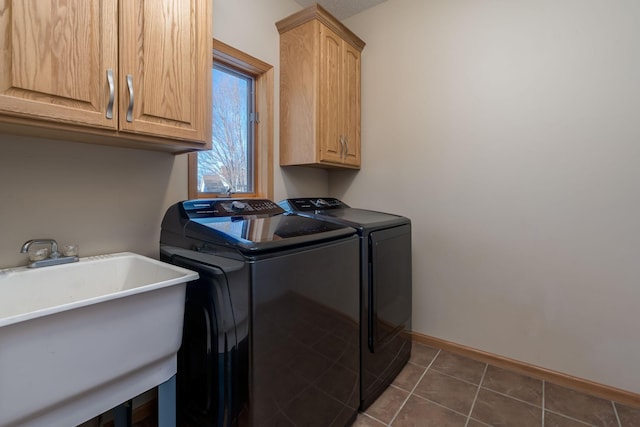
(53, 243)
(53, 259)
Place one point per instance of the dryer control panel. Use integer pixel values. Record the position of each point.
(305, 204)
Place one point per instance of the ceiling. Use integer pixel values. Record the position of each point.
(342, 9)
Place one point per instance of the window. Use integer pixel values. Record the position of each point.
(240, 161)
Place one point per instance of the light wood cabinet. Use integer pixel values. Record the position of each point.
(129, 73)
(56, 58)
(319, 91)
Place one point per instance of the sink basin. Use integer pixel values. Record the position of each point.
(78, 339)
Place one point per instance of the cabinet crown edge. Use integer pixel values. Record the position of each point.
(322, 15)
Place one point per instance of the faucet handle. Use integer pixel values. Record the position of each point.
(40, 259)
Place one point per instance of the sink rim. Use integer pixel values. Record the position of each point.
(185, 276)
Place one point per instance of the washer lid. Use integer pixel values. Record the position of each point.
(247, 225)
(256, 234)
(278, 228)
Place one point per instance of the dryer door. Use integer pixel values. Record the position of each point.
(389, 285)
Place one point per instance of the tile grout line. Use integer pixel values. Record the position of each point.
(364, 414)
(475, 398)
(543, 399)
(457, 378)
(414, 387)
(417, 396)
(615, 411)
(571, 418)
(487, 388)
(517, 399)
(544, 409)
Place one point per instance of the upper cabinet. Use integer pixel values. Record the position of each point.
(319, 91)
(60, 61)
(166, 59)
(129, 73)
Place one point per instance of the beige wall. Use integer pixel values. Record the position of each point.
(504, 130)
(110, 199)
(508, 132)
(105, 199)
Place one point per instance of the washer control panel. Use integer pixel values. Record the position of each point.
(230, 207)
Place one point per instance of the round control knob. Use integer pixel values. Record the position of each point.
(238, 206)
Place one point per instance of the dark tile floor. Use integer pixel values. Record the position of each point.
(441, 389)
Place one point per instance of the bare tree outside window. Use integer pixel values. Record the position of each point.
(228, 167)
(241, 160)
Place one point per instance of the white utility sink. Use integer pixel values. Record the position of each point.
(78, 339)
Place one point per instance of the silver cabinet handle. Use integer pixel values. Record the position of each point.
(112, 93)
(130, 109)
(342, 147)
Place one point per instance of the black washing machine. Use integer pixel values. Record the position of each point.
(385, 262)
(271, 330)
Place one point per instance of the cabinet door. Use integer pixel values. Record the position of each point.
(351, 105)
(55, 60)
(330, 97)
(165, 68)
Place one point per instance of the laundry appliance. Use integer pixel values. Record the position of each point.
(385, 271)
(271, 330)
